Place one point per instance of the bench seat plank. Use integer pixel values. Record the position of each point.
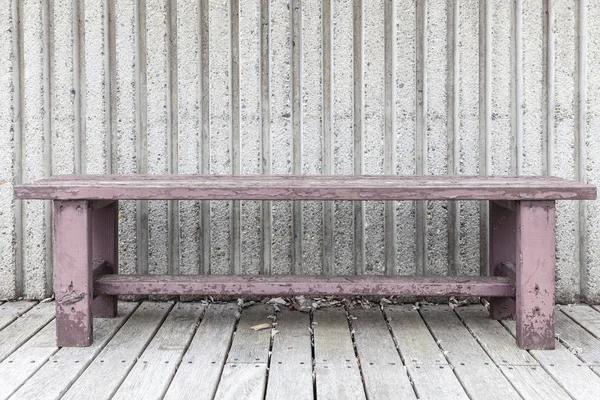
(265, 285)
(303, 187)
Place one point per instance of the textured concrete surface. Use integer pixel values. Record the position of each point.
(65, 126)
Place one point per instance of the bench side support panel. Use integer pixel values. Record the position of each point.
(105, 242)
(73, 272)
(503, 250)
(536, 240)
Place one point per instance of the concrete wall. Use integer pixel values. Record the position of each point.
(298, 86)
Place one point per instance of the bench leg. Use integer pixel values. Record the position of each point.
(73, 272)
(503, 252)
(536, 239)
(105, 236)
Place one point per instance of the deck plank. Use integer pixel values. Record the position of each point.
(291, 357)
(584, 315)
(436, 382)
(207, 353)
(242, 381)
(152, 373)
(18, 332)
(245, 372)
(416, 344)
(106, 372)
(474, 368)
(534, 383)
(383, 372)
(11, 310)
(64, 367)
(27, 359)
(565, 368)
(493, 337)
(577, 339)
(336, 369)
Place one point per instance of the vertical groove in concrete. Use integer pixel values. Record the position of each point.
(328, 163)
(142, 132)
(46, 71)
(110, 86)
(17, 81)
(485, 122)
(359, 118)
(234, 115)
(517, 103)
(549, 79)
(296, 73)
(389, 161)
(79, 85)
(421, 135)
(580, 137)
(172, 135)
(204, 150)
(453, 132)
(265, 126)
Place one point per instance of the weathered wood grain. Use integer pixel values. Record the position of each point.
(55, 377)
(336, 370)
(584, 315)
(382, 369)
(565, 368)
(251, 346)
(104, 375)
(533, 383)
(25, 361)
(472, 366)
(435, 382)
(207, 353)
(493, 337)
(11, 310)
(577, 339)
(268, 285)
(242, 381)
(304, 187)
(291, 357)
(153, 371)
(17, 333)
(416, 345)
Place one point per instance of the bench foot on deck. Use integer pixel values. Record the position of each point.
(522, 240)
(73, 283)
(105, 242)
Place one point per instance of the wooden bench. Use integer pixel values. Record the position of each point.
(521, 259)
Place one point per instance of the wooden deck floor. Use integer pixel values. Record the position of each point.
(155, 350)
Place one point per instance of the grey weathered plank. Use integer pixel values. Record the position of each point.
(207, 353)
(576, 338)
(23, 363)
(416, 345)
(584, 315)
(435, 382)
(11, 310)
(382, 369)
(305, 187)
(106, 372)
(565, 368)
(336, 370)
(153, 371)
(533, 383)
(17, 333)
(242, 381)
(55, 377)
(268, 285)
(472, 366)
(493, 337)
(250, 346)
(291, 358)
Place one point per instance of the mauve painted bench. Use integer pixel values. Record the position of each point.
(521, 259)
